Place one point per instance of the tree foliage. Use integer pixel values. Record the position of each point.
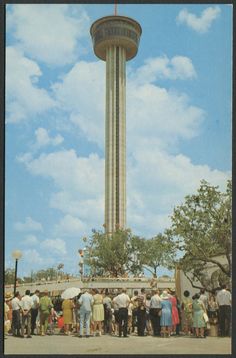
(201, 229)
(122, 252)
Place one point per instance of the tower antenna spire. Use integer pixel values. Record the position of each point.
(115, 7)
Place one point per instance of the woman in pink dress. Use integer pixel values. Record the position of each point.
(175, 314)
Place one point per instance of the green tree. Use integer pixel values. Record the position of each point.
(201, 229)
(112, 254)
(9, 276)
(158, 251)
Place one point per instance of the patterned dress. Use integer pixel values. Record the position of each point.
(188, 310)
(166, 313)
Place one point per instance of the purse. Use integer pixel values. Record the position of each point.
(205, 317)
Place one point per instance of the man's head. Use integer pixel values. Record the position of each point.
(135, 293)
(27, 292)
(202, 291)
(37, 292)
(142, 290)
(223, 287)
(45, 292)
(123, 290)
(17, 294)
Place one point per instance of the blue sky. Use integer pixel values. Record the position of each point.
(178, 122)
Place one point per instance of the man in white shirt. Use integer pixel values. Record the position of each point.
(16, 314)
(122, 301)
(34, 310)
(27, 304)
(155, 308)
(223, 299)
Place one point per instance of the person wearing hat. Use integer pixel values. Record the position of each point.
(166, 314)
(45, 305)
(7, 312)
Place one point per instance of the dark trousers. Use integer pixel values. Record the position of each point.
(108, 321)
(155, 320)
(141, 320)
(123, 321)
(224, 320)
(34, 314)
(134, 318)
(16, 322)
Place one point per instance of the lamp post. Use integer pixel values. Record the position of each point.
(17, 254)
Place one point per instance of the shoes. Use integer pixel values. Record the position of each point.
(29, 337)
(87, 336)
(80, 336)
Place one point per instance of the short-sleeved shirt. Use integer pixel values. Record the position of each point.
(122, 300)
(86, 302)
(35, 300)
(223, 298)
(107, 302)
(26, 303)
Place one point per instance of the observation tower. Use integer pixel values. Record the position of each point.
(115, 40)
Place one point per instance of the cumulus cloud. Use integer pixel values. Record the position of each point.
(81, 93)
(33, 257)
(49, 33)
(24, 98)
(151, 109)
(28, 225)
(43, 138)
(55, 246)
(178, 67)
(69, 171)
(167, 180)
(30, 240)
(202, 23)
(70, 226)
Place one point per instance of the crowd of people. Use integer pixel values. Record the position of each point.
(95, 312)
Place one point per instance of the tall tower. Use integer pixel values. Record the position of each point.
(115, 40)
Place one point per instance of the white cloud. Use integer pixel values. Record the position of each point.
(149, 107)
(81, 93)
(24, 98)
(49, 33)
(200, 24)
(56, 246)
(158, 181)
(30, 240)
(28, 225)
(70, 226)
(33, 257)
(43, 138)
(70, 172)
(178, 67)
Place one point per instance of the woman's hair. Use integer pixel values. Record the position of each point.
(186, 293)
(197, 296)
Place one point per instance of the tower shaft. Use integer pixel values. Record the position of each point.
(115, 139)
(115, 40)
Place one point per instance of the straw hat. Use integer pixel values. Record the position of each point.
(165, 295)
(8, 296)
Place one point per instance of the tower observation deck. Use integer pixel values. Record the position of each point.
(115, 40)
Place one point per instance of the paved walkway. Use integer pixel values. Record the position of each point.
(114, 345)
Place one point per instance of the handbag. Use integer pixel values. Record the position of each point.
(205, 317)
